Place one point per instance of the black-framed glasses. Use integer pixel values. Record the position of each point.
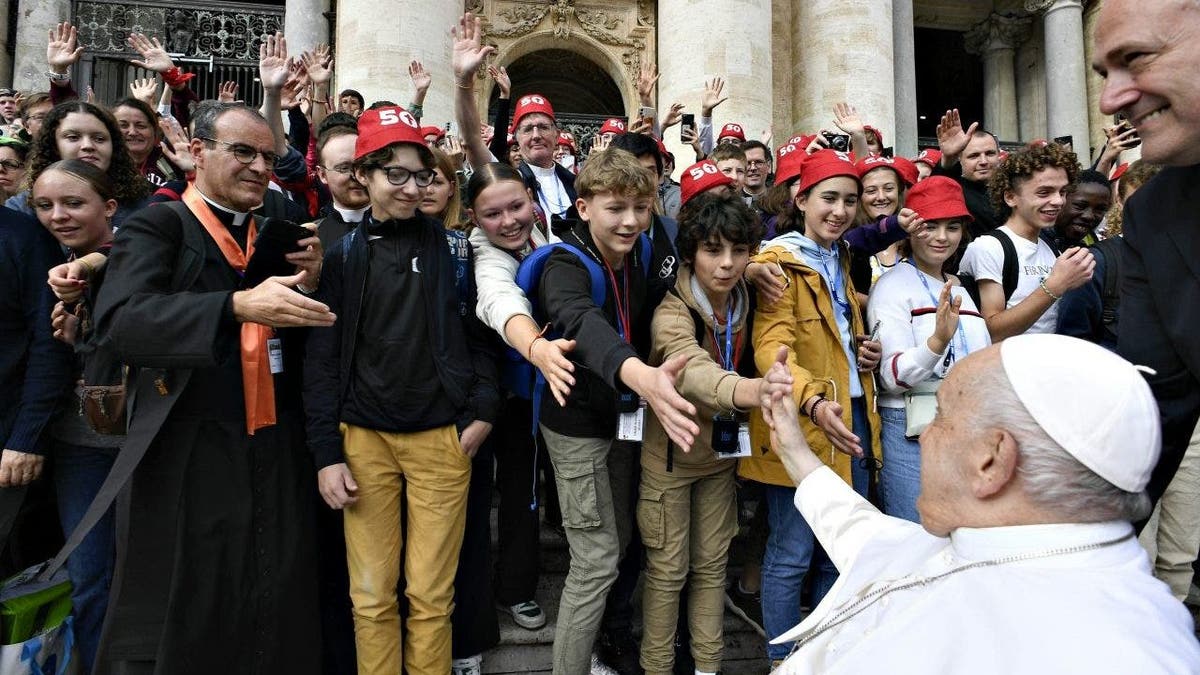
(398, 175)
(244, 153)
(11, 165)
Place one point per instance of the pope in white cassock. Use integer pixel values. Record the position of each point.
(1025, 560)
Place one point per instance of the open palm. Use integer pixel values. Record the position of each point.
(468, 51)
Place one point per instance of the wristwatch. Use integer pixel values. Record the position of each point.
(58, 77)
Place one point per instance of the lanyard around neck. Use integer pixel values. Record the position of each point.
(623, 322)
(962, 334)
(727, 356)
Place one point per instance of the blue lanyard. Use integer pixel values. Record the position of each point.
(835, 281)
(962, 335)
(727, 355)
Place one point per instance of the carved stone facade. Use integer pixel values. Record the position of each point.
(198, 30)
(618, 36)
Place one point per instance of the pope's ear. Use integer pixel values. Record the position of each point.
(993, 467)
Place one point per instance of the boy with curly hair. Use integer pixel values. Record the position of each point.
(1028, 190)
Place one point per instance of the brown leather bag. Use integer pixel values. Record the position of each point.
(104, 408)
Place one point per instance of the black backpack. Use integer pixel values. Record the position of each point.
(1010, 275)
(1110, 292)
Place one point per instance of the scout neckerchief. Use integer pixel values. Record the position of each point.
(258, 385)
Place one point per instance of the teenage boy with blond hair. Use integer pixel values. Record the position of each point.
(613, 386)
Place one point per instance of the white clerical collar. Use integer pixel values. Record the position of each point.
(996, 542)
(541, 172)
(350, 215)
(239, 218)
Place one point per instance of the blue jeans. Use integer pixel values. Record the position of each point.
(791, 545)
(78, 473)
(900, 478)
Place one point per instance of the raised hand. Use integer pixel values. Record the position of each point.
(468, 51)
(646, 79)
(846, 118)
(154, 57)
(273, 69)
(947, 320)
(713, 96)
(674, 115)
(175, 144)
(421, 78)
(640, 126)
(453, 148)
(776, 384)
(318, 63)
(500, 75)
(62, 49)
(144, 90)
(228, 92)
(952, 140)
(599, 143)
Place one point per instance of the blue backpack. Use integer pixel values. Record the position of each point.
(518, 375)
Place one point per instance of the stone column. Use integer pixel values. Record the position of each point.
(739, 51)
(378, 39)
(305, 25)
(844, 53)
(995, 40)
(1066, 70)
(34, 21)
(905, 78)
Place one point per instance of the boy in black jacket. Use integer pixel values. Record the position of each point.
(399, 395)
(613, 386)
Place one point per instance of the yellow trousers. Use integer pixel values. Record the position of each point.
(429, 471)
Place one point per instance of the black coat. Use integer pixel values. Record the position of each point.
(35, 369)
(979, 203)
(215, 557)
(1160, 304)
(459, 344)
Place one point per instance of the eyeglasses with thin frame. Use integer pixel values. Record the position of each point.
(345, 169)
(244, 153)
(398, 175)
(11, 165)
(757, 162)
(542, 129)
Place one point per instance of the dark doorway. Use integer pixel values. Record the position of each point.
(947, 77)
(573, 83)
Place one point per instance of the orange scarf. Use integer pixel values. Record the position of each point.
(258, 385)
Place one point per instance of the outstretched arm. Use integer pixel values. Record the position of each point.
(468, 53)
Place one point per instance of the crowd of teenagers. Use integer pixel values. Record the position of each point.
(479, 314)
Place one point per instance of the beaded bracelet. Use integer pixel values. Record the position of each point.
(812, 411)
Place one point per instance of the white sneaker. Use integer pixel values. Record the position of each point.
(598, 667)
(527, 615)
(472, 665)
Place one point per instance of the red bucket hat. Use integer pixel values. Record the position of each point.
(937, 197)
(825, 164)
(567, 138)
(530, 104)
(877, 132)
(928, 156)
(699, 177)
(382, 127)
(906, 170)
(788, 159)
(612, 125)
(732, 131)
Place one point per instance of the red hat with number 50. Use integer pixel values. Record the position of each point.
(382, 127)
(699, 177)
(732, 131)
(928, 156)
(904, 169)
(530, 104)
(824, 164)
(612, 125)
(788, 159)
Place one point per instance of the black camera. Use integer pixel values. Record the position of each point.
(839, 142)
